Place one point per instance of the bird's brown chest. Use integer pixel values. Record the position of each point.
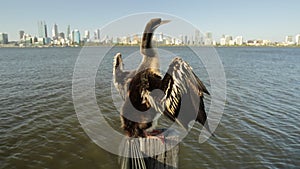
(142, 83)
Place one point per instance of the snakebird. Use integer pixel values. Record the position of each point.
(146, 94)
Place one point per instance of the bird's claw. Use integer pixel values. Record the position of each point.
(156, 134)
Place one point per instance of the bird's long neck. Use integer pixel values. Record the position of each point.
(150, 57)
(147, 40)
(150, 63)
(146, 45)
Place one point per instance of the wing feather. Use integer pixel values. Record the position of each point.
(119, 75)
(180, 84)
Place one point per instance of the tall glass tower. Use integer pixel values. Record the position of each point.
(21, 34)
(76, 36)
(97, 34)
(3, 38)
(197, 37)
(68, 32)
(55, 31)
(42, 29)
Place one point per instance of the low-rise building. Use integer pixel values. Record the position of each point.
(297, 39)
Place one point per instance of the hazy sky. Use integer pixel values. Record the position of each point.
(255, 19)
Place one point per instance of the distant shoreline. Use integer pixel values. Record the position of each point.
(121, 45)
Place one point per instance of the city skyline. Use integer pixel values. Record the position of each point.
(74, 37)
(43, 31)
(254, 20)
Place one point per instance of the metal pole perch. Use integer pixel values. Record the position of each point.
(155, 152)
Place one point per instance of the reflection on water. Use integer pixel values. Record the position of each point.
(259, 127)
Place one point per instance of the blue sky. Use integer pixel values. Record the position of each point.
(255, 19)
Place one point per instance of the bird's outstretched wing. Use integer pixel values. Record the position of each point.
(182, 99)
(119, 75)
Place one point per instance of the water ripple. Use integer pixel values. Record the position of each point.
(259, 128)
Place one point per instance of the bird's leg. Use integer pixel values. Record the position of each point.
(155, 132)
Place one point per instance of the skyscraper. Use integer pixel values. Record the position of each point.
(185, 40)
(61, 35)
(208, 38)
(55, 31)
(239, 40)
(68, 32)
(97, 35)
(87, 34)
(228, 38)
(21, 34)
(3, 38)
(46, 31)
(42, 29)
(223, 40)
(197, 37)
(289, 39)
(160, 37)
(76, 36)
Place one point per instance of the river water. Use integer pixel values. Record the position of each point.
(259, 128)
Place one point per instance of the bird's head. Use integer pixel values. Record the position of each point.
(146, 45)
(153, 24)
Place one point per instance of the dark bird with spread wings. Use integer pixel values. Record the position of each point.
(146, 93)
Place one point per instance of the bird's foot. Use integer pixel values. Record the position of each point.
(156, 134)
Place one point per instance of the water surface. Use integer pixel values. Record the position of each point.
(259, 129)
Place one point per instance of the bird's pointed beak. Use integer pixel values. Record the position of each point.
(161, 23)
(164, 21)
